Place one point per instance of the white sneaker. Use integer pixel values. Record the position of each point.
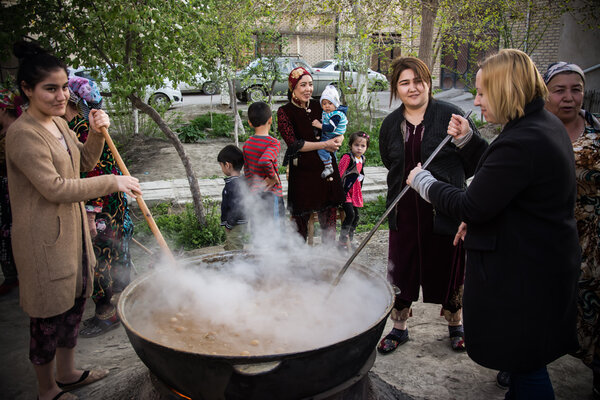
(327, 171)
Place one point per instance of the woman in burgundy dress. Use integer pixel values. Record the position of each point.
(307, 191)
(421, 252)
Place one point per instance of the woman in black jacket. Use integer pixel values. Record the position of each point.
(523, 253)
(421, 253)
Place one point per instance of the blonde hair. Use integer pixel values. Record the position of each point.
(511, 81)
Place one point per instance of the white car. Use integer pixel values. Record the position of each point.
(166, 95)
(377, 81)
(199, 84)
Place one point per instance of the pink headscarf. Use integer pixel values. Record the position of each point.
(295, 75)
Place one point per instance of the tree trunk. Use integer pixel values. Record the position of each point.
(231, 85)
(428, 14)
(191, 176)
(362, 44)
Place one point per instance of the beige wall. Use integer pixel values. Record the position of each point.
(582, 47)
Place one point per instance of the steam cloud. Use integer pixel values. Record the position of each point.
(280, 286)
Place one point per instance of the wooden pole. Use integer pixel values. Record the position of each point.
(141, 203)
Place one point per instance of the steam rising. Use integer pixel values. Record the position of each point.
(280, 287)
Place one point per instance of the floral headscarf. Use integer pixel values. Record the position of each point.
(295, 75)
(85, 94)
(11, 100)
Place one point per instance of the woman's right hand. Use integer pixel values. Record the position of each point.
(460, 234)
(98, 120)
(334, 144)
(129, 185)
(458, 126)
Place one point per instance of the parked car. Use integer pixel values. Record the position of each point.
(166, 95)
(199, 84)
(253, 86)
(377, 81)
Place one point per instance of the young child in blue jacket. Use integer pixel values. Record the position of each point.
(334, 122)
(233, 218)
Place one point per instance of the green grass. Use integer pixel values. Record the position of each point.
(203, 127)
(370, 214)
(178, 224)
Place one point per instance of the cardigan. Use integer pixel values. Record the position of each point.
(523, 255)
(452, 165)
(49, 228)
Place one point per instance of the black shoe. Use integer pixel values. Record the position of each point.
(397, 337)
(503, 379)
(596, 389)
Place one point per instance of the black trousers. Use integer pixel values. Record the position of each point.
(350, 222)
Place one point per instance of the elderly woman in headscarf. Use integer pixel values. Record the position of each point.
(10, 110)
(307, 191)
(565, 84)
(108, 217)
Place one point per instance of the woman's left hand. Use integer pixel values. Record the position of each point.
(458, 126)
(333, 144)
(98, 120)
(413, 173)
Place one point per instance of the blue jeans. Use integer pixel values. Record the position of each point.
(532, 385)
(324, 155)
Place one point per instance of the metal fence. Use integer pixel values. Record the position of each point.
(591, 101)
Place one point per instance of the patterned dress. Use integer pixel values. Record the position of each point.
(113, 223)
(587, 213)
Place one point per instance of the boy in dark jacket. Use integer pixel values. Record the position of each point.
(231, 160)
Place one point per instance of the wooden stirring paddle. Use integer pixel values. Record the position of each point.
(141, 203)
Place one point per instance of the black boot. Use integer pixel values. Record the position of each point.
(351, 243)
(596, 389)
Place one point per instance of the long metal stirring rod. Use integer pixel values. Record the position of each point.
(389, 210)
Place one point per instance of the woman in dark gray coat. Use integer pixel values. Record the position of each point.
(420, 252)
(523, 253)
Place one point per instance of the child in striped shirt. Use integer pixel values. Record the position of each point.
(333, 123)
(261, 169)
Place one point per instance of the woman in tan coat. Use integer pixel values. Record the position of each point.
(51, 241)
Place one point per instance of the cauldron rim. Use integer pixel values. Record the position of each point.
(239, 359)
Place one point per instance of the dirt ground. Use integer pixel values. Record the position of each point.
(424, 368)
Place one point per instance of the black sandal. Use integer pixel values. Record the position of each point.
(99, 326)
(457, 338)
(392, 341)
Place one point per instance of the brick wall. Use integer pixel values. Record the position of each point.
(544, 33)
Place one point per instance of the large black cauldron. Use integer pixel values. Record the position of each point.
(280, 376)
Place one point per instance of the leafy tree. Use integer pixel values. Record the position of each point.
(355, 24)
(486, 25)
(231, 38)
(138, 43)
(266, 68)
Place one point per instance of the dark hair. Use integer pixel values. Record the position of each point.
(231, 154)
(401, 64)
(12, 112)
(259, 113)
(356, 135)
(35, 64)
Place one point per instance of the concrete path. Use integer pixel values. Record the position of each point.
(177, 190)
